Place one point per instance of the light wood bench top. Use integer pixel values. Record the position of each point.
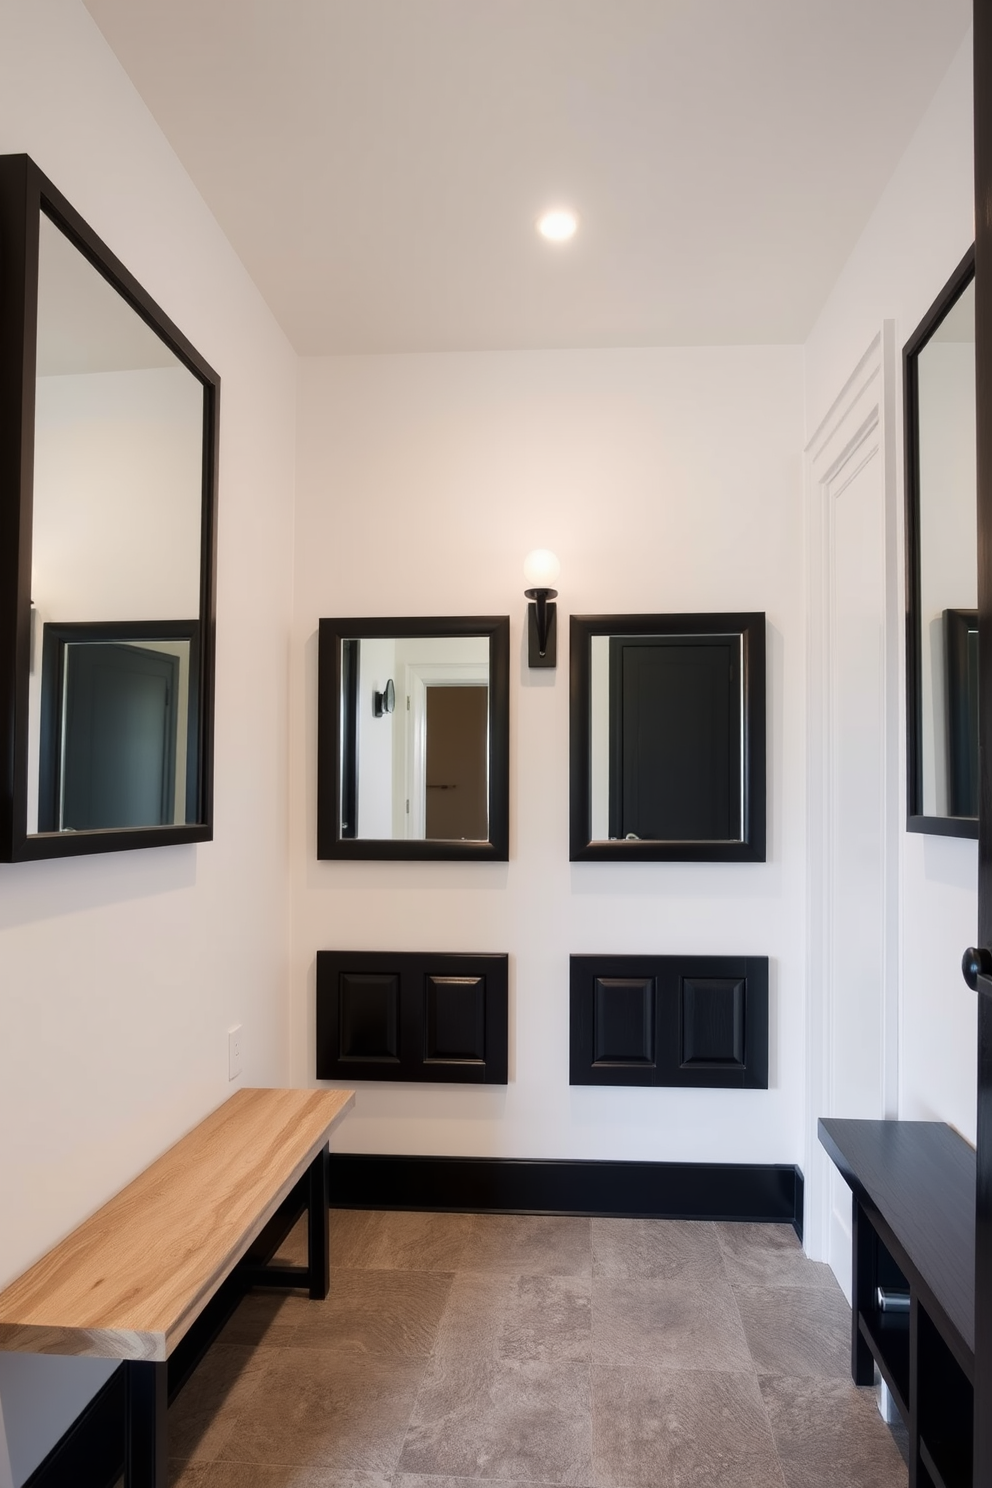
(129, 1282)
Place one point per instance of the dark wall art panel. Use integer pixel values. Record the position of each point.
(384, 1015)
(669, 1020)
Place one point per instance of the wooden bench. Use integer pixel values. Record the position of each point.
(133, 1278)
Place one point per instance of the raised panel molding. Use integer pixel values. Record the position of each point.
(369, 1017)
(669, 1020)
(712, 1021)
(394, 1015)
(455, 1020)
(623, 1020)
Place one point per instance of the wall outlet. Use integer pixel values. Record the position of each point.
(235, 1045)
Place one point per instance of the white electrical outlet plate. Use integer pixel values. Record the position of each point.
(234, 1047)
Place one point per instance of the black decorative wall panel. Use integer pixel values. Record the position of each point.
(411, 1016)
(623, 1020)
(669, 1020)
(369, 1017)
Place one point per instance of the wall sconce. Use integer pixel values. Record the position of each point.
(384, 701)
(541, 568)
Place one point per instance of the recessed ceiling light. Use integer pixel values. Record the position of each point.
(558, 225)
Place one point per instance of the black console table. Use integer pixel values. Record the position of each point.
(913, 1281)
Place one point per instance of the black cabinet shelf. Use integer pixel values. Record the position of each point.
(955, 1465)
(913, 1224)
(887, 1335)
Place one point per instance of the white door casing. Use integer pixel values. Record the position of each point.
(854, 812)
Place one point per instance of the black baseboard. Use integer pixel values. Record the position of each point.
(770, 1193)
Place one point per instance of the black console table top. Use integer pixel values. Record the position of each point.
(919, 1177)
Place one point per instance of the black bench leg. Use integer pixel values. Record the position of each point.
(318, 1238)
(146, 1400)
(862, 1294)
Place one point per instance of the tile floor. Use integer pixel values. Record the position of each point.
(600, 1353)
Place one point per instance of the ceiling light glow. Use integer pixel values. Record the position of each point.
(558, 225)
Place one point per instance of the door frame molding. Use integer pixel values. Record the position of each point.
(860, 425)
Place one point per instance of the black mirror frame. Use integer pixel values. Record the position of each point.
(24, 194)
(916, 820)
(750, 848)
(331, 636)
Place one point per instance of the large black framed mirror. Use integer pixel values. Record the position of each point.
(667, 738)
(413, 731)
(942, 564)
(108, 489)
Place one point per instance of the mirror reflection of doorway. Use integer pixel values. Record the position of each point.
(117, 710)
(119, 737)
(457, 787)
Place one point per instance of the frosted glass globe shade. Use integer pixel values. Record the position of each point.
(558, 225)
(541, 569)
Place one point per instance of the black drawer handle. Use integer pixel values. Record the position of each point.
(976, 962)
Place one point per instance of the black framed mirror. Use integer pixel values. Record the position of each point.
(667, 738)
(108, 479)
(942, 564)
(413, 730)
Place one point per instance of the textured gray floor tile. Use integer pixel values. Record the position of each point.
(778, 1268)
(419, 1480)
(319, 1409)
(797, 1330)
(262, 1475)
(265, 1319)
(353, 1234)
(204, 1410)
(769, 1255)
(829, 1435)
(661, 1428)
(528, 1245)
(657, 1249)
(420, 1242)
(501, 1419)
(377, 1312)
(293, 1250)
(547, 1318)
(738, 1237)
(473, 1320)
(667, 1323)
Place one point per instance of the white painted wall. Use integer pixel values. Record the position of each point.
(121, 974)
(664, 480)
(920, 229)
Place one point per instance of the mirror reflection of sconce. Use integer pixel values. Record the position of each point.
(541, 569)
(385, 701)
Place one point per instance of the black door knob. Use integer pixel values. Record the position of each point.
(976, 962)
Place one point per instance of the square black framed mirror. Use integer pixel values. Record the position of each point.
(942, 564)
(108, 489)
(413, 731)
(667, 738)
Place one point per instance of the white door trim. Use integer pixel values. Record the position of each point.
(860, 426)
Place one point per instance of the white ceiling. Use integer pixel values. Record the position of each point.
(379, 164)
